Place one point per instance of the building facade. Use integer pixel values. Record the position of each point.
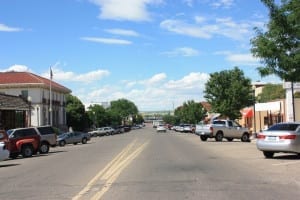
(46, 98)
(263, 115)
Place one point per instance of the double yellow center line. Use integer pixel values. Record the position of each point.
(112, 170)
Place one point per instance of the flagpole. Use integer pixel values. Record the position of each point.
(50, 109)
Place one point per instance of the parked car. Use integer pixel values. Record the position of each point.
(282, 137)
(4, 152)
(118, 129)
(102, 131)
(135, 126)
(73, 138)
(179, 128)
(24, 141)
(187, 128)
(127, 128)
(48, 138)
(161, 128)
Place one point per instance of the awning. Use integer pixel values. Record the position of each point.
(247, 112)
(9, 102)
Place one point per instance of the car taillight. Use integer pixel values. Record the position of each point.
(287, 137)
(260, 136)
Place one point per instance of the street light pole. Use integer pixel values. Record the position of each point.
(254, 118)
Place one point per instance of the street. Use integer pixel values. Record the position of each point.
(143, 164)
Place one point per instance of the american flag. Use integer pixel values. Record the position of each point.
(51, 74)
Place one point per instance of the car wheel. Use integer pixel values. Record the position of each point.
(27, 151)
(268, 154)
(44, 148)
(62, 143)
(219, 136)
(245, 137)
(229, 139)
(203, 137)
(84, 140)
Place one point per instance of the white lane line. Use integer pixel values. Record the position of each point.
(103, 171)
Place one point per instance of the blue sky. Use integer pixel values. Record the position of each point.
(155, 53)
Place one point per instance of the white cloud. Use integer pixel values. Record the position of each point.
(69, 76)
(6, 28)
(234, 30)
(239, 58)
(199, 19)
(184, 28)
(107, 40)
(221, 26)
(131, 84)
(155, 93)
(190, 82)
(189, 2)
(222, 3)
(183, 51)
(242, 59)
(157, 78)
(131, 10)
(123, 32)
(17, 68)
(92, 76)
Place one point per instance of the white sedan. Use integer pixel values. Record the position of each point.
(282, 137)
(4, 153)
(161, 128)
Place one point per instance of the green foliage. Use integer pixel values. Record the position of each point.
(271, 92)
(119, 112)
(228, 92)
(190, 112)
(171, 119)
(278, 47)
(98, 116)
(124, 109)
(75, 111)
(297, 95)
(138, 119)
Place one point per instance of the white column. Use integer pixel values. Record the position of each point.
(289, 105)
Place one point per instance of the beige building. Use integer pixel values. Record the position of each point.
(45, 97)
(263, 115)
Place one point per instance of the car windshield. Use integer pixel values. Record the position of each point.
(9, 132)
(284, 127)
(63, 135)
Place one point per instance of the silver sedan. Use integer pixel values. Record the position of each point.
(280, 138)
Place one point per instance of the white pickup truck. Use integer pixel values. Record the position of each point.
(220, 129)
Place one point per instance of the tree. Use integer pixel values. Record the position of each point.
(278, 47)
(139, 119)
(98, 116)
(271, 92)
(171, 119)
(124, 108)
(75, 111)
(190, 112)
(228, 92)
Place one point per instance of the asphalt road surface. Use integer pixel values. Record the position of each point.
(145, 165)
